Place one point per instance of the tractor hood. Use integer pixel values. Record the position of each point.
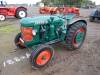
(29, 22)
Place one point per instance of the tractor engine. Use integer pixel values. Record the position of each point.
(42, 29)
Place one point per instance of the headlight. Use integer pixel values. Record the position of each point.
(34, 32)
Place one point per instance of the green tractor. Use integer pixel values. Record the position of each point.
(40, 32)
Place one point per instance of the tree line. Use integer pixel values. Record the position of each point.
(68, 2)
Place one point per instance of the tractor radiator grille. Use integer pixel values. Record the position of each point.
(26, 33)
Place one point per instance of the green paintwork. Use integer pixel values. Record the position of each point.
(79, 37)
(44, 19)
(55, 27)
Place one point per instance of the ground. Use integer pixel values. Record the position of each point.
(84, 61)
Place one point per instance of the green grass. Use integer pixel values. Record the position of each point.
(8, 29)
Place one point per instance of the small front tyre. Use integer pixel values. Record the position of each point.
(18, 42)
(41, 56)
(2, 17)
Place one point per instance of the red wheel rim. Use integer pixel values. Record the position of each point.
(43, 57)
(81, 30)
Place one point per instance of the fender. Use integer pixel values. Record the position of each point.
(74, 20)
(21, 7)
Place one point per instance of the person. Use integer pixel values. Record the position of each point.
(3, 3)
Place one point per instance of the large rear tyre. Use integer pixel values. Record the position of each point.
(41, 56)
(76, 35)
(21, 13)
(18, 42)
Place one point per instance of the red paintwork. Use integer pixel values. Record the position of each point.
(73, 40)
(47, 10)
(43, 57)
(27, 33)
(71, 10)
(8, 11)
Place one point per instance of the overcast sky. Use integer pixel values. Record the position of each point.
(34, 1)
(21, 1)
(97, 2)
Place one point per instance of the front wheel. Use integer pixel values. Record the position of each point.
(41, 56)
(76, 35)
(18, 42)
(2, 17)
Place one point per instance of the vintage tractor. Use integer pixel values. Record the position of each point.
(55, 10)
(95, 15)
(18, 12)
(40, 32)
(48, 10)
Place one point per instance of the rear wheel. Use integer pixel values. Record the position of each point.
(2, 17)
(76, 35)
(41, 56)
(18, 42)
(21, 13)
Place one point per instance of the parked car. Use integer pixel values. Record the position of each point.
(95, 15)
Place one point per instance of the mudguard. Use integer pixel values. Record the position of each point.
(74, 20)
(21, 7)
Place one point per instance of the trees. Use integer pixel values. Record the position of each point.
(69, 2)
(63, 2)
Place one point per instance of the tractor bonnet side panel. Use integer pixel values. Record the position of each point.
(7, 11)
(47, 28)
(3, 11)
(11, 11)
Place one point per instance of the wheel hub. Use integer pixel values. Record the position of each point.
(43, 57)
(79, 36)
(22, 14)
(2, 17)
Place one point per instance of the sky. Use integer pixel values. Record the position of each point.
(34, 1)
(22, 1)
(97, 2)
